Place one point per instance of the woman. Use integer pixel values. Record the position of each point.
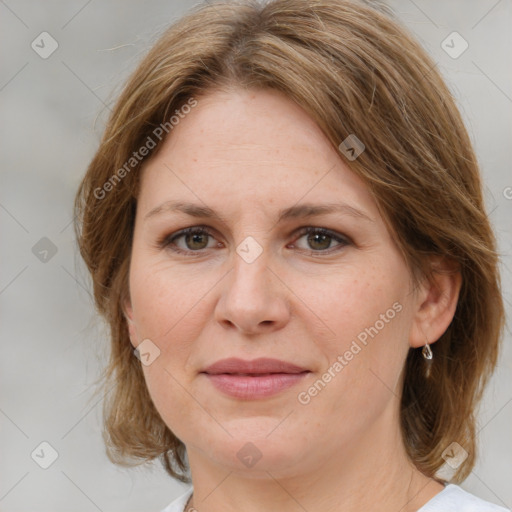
(285, 230)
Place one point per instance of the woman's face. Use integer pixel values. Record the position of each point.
(255, 284)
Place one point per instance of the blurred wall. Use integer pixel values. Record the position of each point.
(53, 107)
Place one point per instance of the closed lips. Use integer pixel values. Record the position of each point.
(255, 367)
(253, 380)
(253, 374)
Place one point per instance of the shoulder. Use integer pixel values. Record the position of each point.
(179, 503)
(455, 499)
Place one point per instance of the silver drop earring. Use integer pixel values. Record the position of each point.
(428, 356)
(427, 352)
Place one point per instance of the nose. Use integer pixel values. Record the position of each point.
(254, 298)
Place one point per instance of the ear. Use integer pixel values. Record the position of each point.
(436, 303)
(132, 330)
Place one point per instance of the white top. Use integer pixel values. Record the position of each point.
(451, 499)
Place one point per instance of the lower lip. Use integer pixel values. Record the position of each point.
(249, 388)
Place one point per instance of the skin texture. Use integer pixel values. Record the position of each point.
(247, 155)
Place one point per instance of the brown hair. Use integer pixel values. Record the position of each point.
(355, 71)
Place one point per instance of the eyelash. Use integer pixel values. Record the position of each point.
(168, 241)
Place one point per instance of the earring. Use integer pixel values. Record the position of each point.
(427, 352)
(428, 356)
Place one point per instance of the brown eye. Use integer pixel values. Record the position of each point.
(319, 239)
(194, 240)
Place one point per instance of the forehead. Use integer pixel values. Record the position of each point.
(249, 149)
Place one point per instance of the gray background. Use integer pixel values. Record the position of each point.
(52, 114)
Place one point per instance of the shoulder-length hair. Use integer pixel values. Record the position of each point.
(355, 71)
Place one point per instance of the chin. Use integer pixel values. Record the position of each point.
(257, 456)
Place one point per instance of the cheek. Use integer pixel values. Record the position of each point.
(170, 311)
(363, 304)
(166, 301)
(172, 400)
(368, 316)
(364, 356)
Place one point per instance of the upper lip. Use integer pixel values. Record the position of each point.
(256, 366)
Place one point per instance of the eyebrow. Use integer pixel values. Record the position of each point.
(304, 210)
